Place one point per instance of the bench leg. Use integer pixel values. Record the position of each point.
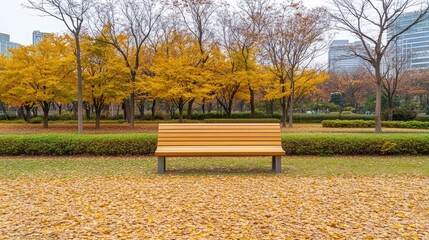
(277, 164)
(161, 164)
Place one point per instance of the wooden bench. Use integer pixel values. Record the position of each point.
(219, 139)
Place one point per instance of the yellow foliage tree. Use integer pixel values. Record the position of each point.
(40, 74)
(177, 76)
(104, 76)
(305, 83)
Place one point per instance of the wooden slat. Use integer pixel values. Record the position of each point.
(216, 139)
(220, 143)
(205, 126)
(219, 151)
(246, 134)
(219, 130)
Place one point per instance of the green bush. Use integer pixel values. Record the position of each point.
(346, 112)
(243, 120)
(422, 118)
(371, 124)
(145, 144)
(4, 117)
(71, 144)
(402, 114)
(356, 144)
(36, 120)
(64, 116)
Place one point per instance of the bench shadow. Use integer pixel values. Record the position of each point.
(222, 171)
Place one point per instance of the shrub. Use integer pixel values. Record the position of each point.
(371, 124)
(346, 112)
(64, 116)
(4, 117)
(422, 118)
(145, 144)
(402, 114)
(71, 144)
(355, 144)
(36, 120)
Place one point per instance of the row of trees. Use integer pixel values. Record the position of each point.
(187, 51)
(196, 50)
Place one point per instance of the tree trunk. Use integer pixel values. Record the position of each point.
(21, 113)
(204, 105)
(153, 109)
(378, 99)
(229, 109)
(141, 109)
(35, 111)
(97, 117)
(60, 107)
(190, 104)
(292, 96)
(127, 112)
(180, 106)
(252, 103)
(4, 109)
(87, 111)
(284, 111)
(75, 110)
(79, 85)
(132, 101)
(45, 108)
(28, 113)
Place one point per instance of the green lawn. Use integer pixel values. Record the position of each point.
(347, 166)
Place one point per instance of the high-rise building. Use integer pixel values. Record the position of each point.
(342, 59)
(6, 44)
(38, 36)
(414, 43)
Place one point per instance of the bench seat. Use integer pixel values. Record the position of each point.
(225, 151)
(219, 139)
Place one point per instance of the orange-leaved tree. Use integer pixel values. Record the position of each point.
(104, 75)
(305, 83)
(176, 76)
(40, 74)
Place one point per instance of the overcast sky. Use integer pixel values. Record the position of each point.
(20, 22)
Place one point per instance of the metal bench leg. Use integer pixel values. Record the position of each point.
(277, 164)
(161, 164)
(273, 163)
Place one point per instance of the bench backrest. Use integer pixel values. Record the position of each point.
(219, 134)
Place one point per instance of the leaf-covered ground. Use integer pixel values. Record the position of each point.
(214, 207)
(15, 128)
(11, 128)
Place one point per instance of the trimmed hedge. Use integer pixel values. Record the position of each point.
(356, 144)
(371, 124)
(145, 144)
(73, 144)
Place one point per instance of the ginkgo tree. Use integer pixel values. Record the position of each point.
(104, 75)
(176, 76)
(40, 74)
(305, 83)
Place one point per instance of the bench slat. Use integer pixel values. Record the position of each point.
(208, 135)
(221, 143)
(219, 151)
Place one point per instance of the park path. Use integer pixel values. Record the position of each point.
(215, 207)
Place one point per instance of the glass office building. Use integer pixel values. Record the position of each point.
(6, 44)
(342, 59)
(414, 43)
(38, 36)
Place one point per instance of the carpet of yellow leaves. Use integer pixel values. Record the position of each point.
(215, 207)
